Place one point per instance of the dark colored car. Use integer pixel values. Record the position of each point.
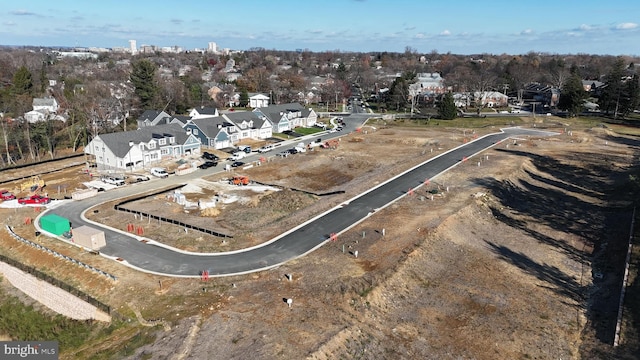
(209, 156)
(237, 164)
(34, 199)
(208, 164)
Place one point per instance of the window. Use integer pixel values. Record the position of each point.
(164, 151)
(172, 140)
(152, 145)
(195, 131)
(162, 142)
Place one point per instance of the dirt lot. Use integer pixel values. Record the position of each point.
(518, 259)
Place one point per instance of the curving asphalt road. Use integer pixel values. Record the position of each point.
(155, 258)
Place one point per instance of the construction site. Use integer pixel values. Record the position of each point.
(510, 245)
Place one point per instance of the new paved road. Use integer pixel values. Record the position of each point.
(290, 245)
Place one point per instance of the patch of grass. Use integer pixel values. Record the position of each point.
(308, 131)
(365, 292)
(126, 348)
(25, 323)
(624, 129)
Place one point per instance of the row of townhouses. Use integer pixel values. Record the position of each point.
(161, 136)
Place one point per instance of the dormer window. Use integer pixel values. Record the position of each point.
(162, 141)
(152, 145)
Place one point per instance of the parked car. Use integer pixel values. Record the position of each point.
(237, 164)
(5, 195)
(209, 156)
(159, 172)
(238, 155)
(283, 153)
(268, 148)
(112, 180)
(208, 164)
(293, 151)
(34, 199)
(139, 178)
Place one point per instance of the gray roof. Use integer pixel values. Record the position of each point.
(151, 115)
(306, 112)
(275, 112)
(118, 142)
(182, 119)
(205, 110)
(239, 116)
(211, 126)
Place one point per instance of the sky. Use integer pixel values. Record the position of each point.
(460, 27)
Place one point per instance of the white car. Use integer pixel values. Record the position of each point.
(112, 180)
(159, 172)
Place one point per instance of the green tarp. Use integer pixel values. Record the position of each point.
(55, 224)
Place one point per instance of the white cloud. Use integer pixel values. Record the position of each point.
(22, 13)
(420, 36)
(445, 33)
(526, 32)
(585, 27)
(626, 26)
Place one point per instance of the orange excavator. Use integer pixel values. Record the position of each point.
(239, 180)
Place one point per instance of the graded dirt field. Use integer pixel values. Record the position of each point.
(512, 254)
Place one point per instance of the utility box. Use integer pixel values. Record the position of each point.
(89, 237)
(55, 224)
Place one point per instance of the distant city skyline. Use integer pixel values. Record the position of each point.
(460, 27)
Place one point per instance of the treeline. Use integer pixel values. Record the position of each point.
(108, 93)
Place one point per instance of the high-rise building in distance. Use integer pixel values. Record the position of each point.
(133, 47)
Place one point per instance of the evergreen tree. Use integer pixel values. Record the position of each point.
(244, 98)
(447, 109)
(43, 78)
(142, 77)
(399, 90)
(610, 98)
(630, 98)
(341, 72)
(22, 82)
(572, 95)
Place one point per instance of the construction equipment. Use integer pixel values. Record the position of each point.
(330, 144)
(34, 184)
(239, 180)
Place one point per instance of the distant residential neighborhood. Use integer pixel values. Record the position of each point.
(50, 102)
